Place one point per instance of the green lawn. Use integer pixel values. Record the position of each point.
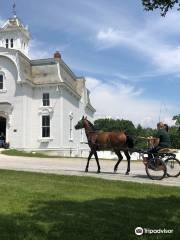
(14, 152)
(42, 206)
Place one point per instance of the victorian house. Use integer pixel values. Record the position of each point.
(40, 100)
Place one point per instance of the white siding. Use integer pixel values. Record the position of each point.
(25, 121)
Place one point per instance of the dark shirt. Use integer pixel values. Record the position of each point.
(2, 138)
(164, 139)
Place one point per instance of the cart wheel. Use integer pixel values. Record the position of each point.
(156, 169)
(173, 167)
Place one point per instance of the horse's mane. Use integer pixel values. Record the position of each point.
(94, 129)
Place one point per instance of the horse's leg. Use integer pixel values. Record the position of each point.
(89, 157)
(97, 160)
(120, 157)
(128, 159)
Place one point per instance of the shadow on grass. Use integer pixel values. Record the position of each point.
(105, 219)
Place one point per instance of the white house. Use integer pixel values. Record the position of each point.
(40, 100)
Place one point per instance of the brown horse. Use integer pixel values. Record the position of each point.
(101, 141)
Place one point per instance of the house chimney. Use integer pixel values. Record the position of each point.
(57, 55)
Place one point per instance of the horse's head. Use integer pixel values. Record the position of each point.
(80, 124)
(84, 123)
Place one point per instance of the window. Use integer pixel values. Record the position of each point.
(46, 101)
(12, 43)
(1, 82)
(7, 43)
(46, 126)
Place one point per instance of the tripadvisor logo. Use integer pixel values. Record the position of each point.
(139, 231)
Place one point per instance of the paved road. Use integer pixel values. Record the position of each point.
(74, 166)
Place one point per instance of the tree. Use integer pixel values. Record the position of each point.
(108, 125)
(177, 120)
(163, 5)
(175, 137)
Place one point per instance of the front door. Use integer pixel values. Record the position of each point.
(3, 126)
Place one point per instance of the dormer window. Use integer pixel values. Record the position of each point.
(12, 43)
(7, 43)
(1, 82)
(46, 101)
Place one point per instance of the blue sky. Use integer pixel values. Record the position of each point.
(130, 58)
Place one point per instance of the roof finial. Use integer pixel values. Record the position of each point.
(14, 8)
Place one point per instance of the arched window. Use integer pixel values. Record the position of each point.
(7, 43)
(12, 43)
(1, 82)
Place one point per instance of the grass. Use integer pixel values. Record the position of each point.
(37, 206)
(14, 152)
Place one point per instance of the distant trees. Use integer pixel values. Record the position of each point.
(108, 125)
(177, 120)
(175, 137)
(175, 132)
(163, 5)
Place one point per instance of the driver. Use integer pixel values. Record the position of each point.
(160, 140)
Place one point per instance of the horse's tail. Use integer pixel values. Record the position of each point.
(129, 141)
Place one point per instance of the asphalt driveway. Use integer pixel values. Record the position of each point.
(76, 166)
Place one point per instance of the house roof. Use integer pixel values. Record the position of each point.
(51, 71)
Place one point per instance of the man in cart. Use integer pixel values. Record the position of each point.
(159, 141)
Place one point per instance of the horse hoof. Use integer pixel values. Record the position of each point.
(86, 170)
(115, 170)
(98, 171)
(127, 173)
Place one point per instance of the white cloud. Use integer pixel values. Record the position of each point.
(152, 42)
(92, 83)
(112, 37)
(39, 50)
(148, 37)
(168, 60)
(127, 102)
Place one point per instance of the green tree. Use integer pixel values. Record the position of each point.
(108, 125)
(139, 130)
(163, 5)
(175, 137)
(177, 120)
(143, 132)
